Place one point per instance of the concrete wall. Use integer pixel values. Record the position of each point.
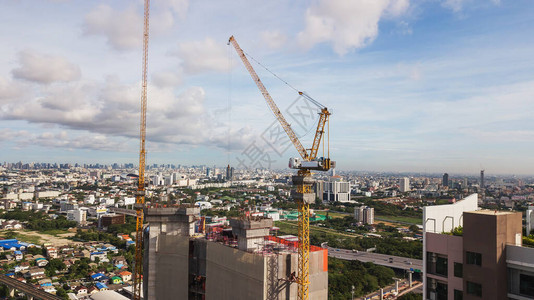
(166, 266)
(233, 274)
(452, 246)
(318, 275)
(488, 233)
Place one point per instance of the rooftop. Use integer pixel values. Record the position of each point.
(492, 212)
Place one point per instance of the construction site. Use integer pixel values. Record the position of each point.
(242, 262)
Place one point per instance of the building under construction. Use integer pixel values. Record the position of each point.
(182, 260)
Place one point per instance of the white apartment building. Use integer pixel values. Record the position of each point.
(78, 215)
(334, 190)
(404, 184)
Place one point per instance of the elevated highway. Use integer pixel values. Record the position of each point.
(29, 290)
(123, 211)
(397, 262)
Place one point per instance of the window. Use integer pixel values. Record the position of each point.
(441, 265)
(441, 291)
(458, 270)
(474, 289)
(526, 285)
(474, 258)
(458, 295)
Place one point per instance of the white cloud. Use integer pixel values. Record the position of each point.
(179, 7)
(10, 90)
(273, 39)
(7, 134)
(458, 5)
(44, 68)
(62, 139)
(347, 25)
(112, 109)
(455, 5)
(201, 56)
(122, 29)
(166, 79)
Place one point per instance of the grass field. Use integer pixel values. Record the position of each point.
(331, 214)
(54, 237)
(395, 219)
(290, 227)
(21, 237)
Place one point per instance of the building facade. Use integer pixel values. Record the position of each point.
(482, 259)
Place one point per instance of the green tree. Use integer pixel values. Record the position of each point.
(60, 292)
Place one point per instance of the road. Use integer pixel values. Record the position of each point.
(391, 261)
(27, 289)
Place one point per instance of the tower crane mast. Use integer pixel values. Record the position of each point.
(303, 180)
(140, 193)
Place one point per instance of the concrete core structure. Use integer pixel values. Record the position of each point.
(250, 232)
(182, 264)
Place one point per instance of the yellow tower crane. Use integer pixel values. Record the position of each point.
(140, 194)
(303, 180)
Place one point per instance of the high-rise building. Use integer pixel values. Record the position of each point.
(364, 214)
(229, 173)
(445, 181)
(482, 186)
(404, 184)
(483, 259)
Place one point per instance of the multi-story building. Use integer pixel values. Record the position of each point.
(333, 190)
(404, 184)
(79, 215)
(364, 214)
(482, 259)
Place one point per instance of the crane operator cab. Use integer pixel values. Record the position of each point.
(321, 164)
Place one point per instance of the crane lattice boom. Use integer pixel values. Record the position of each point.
(274, 108)
(140, 195)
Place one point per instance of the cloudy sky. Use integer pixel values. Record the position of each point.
(414, 85)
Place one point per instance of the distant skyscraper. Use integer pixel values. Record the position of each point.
(481, 181)
(404, 184)
(229, 173)
(445, 181)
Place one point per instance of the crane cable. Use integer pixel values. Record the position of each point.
(287, 83)
(306, 96)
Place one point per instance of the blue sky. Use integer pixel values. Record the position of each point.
(414, 85)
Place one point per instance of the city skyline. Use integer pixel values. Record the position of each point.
(414, 86)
